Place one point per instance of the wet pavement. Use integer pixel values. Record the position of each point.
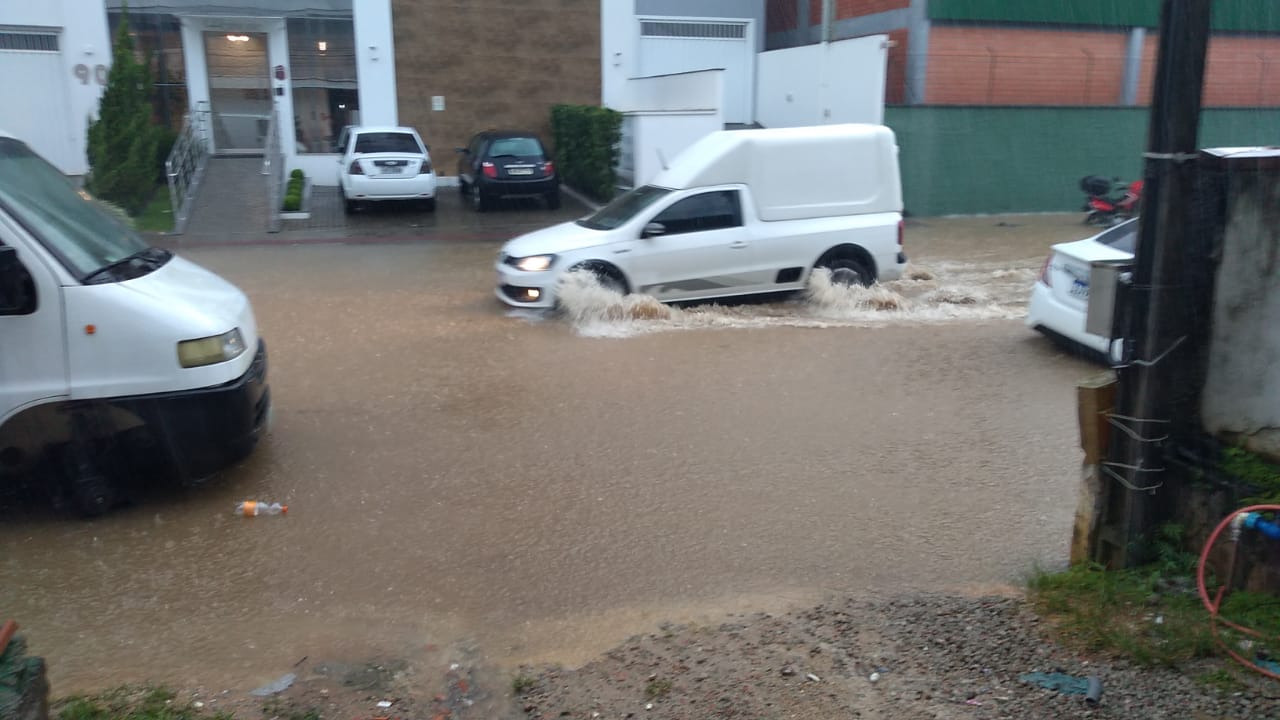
(538, 489)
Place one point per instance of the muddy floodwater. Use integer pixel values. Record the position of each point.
(539, 487)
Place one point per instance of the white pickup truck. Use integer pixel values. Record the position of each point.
(117, 360)
(737, 213)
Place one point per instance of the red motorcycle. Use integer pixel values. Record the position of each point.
(1109, 201)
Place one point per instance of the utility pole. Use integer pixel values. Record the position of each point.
(1158, 333)
(828, 16)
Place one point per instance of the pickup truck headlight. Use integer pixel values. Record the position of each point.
(210, 350)
(534, 263)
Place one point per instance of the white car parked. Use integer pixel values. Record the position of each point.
(384, 163)
(1060, 299)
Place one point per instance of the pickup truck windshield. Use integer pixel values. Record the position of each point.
(71, 225)
(623, 208)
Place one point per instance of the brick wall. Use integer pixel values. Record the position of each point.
(498, 64)
(987, 65)
(895, 81)
(855, 8)
(780, 15)
(1239, 71)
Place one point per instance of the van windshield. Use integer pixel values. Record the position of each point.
(623, 208)
(71, 225)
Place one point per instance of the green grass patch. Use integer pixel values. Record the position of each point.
(521, 683)
(1130, 613)
(157, 215)
(132, 703)
(657, 689)
(1261, 475)
(1150, 616)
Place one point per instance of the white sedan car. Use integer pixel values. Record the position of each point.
(384, 163)
(1060, 298)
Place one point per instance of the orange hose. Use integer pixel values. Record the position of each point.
(7, 632)
(1214, 604)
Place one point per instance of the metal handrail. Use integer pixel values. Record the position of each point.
(273, 169)
(185, 165)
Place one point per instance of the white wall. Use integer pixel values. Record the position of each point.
(667, 114)
(837, 82)
(660, 137)
(376, 62)
(619, 35)
(1242, 390)
(737, 57)
(83, 41)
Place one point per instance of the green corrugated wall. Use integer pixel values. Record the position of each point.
(972, 160)
(1233, 15)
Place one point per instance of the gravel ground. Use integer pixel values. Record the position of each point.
(923, 656)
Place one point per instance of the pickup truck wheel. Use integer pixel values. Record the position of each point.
(847, 271)
(608, 278)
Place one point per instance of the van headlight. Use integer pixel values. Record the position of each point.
(534, 263)
(210, 350)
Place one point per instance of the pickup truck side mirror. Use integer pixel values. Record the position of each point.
(653, 229)
(17, 291)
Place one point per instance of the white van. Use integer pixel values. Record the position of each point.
(739, 212)
(117, 360)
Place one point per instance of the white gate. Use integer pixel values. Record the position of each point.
(36, 109)
(678, 45)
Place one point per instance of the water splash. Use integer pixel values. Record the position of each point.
(946, 292)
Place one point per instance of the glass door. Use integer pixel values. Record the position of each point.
(239, 90)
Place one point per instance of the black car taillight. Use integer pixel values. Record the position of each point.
(548, 168)
(355, 168)
(490, 170)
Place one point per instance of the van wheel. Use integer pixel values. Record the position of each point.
(847, 271)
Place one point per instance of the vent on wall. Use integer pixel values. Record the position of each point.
(42, 42)
(718, 31)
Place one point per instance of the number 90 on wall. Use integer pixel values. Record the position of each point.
(83, 74)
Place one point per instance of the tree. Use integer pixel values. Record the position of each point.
(123, 144)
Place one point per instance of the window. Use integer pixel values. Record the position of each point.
(707, 211)
(322, 63)
(624, 207)
(387, 142)
(516, 146)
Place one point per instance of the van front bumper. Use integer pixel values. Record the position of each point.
(199, 432)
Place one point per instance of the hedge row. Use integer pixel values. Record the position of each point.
(587, 140)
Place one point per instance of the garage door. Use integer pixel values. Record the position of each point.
(674, 46)
(35, 107)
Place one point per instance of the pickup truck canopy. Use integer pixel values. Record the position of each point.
(796, 173)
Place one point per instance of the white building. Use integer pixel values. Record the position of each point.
(320, 63)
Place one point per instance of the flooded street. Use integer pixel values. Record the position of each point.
(541, 487)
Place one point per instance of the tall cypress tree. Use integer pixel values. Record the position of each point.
(122, 141)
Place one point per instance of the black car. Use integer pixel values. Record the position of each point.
(507, 164)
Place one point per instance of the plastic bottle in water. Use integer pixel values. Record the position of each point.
(250, 508)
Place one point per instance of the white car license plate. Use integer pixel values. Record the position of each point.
(519, 171)
(392, 170)
(1080, 289)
